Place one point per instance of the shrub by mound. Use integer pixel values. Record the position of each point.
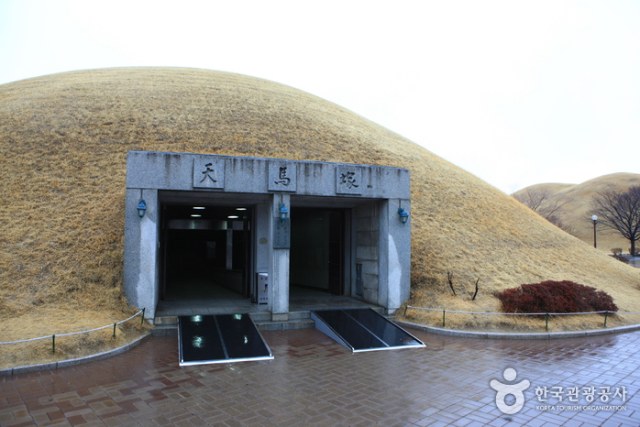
(554, 297)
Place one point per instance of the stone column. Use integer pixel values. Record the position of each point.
(367, 251)
(141, 247)
(395, 265)
(279, 293)
(263, 226)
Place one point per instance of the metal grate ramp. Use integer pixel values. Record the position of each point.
(363, 329)
(220, 338)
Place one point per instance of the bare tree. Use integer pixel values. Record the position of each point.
(538, 201)
(620, 211)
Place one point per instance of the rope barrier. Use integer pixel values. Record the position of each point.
(546, 316)
(440, 309)
(67, 334)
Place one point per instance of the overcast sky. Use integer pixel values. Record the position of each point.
(515, 92)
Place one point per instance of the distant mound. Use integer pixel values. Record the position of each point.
(64, 140)
(575, 206)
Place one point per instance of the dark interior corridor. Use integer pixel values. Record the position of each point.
(317, 249)
(206, 252)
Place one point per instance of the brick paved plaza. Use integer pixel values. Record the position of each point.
(314, 381)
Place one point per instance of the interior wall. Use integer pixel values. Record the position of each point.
(310, 231)
(367, 234)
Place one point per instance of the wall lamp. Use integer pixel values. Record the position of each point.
(142, 208)
(284, 212)
(403, 215)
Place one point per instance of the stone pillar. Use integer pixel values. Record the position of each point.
(385, 283)
(280, 262)
(263, 226)
(395, 264)
(141, 249)
(367, 231)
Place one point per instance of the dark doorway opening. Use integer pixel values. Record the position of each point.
(206, 252)
(317, 257)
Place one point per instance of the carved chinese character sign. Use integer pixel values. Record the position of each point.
(282, 176)
(208, 172)
(348, 180)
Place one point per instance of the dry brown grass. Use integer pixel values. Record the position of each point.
(576, 201)
(48, 321)
(64, 140)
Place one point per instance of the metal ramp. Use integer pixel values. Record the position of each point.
(363, 329)
(221, 338)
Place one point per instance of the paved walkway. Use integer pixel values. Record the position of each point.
(314, 381)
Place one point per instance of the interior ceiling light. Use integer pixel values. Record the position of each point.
(233, 217)
(199, 208)
(241, 209)
(196, 216)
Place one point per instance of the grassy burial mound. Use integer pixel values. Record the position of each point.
(574, 206)
(64, 140)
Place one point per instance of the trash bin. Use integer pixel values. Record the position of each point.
(262, 291)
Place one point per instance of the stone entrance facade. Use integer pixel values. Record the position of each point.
(372, 204)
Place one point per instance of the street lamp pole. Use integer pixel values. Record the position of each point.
(594, 218)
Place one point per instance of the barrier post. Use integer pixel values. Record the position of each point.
(443, 317)
(546, 322)
(53, 343)
(142, 317)
(114, 331)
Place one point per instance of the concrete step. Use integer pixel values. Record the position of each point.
(293, 315)
(285, 325)
(167, 325)
(296, 320)
(166, 321)
(261, 316)
(165, 330)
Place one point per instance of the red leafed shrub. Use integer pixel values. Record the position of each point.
(554, 297)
